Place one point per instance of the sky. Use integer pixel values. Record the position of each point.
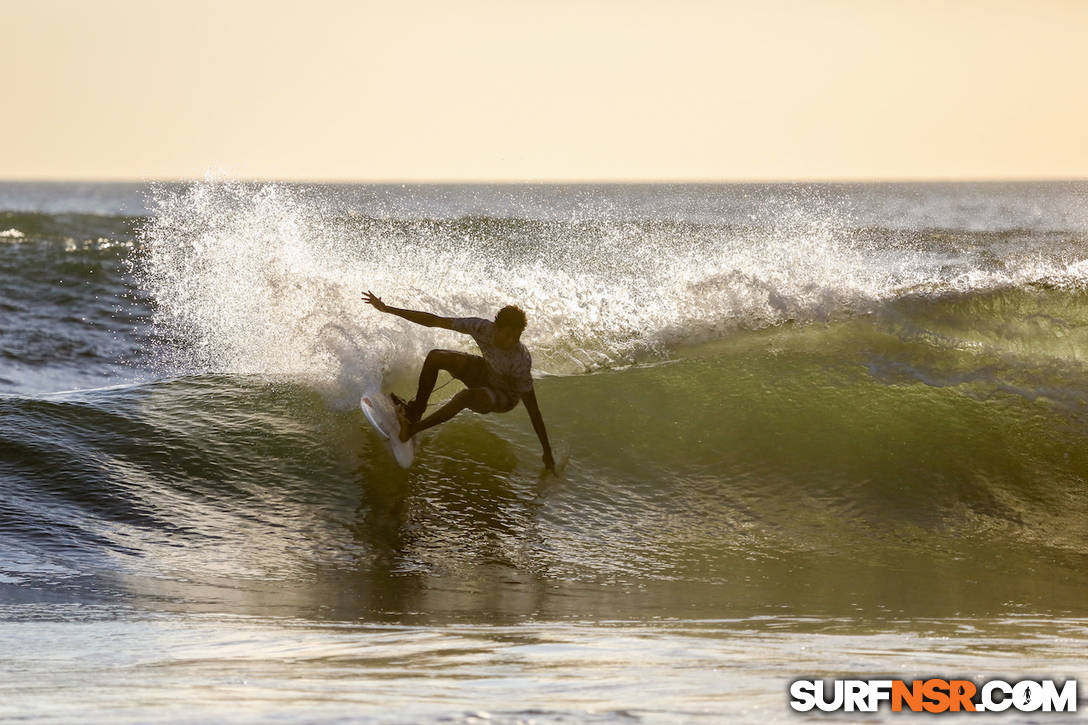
(555, 90)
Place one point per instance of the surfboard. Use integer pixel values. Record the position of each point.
(379, 411)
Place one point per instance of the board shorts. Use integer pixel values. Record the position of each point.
(474, 373)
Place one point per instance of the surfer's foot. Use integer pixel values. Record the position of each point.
(405, 405)
(405, 425)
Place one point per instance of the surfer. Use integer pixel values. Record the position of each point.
(494, 383)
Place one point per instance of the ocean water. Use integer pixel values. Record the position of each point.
(804, 431)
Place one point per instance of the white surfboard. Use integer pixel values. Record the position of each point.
(378, 409)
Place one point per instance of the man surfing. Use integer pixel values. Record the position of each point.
(494, 383)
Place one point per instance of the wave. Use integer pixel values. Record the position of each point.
(737, 400)
(254, 279)
(818, 440)
(266, 280)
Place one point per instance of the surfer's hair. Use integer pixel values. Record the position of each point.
(511, 317)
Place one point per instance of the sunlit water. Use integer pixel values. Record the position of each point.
(803, 432)
(129, 666)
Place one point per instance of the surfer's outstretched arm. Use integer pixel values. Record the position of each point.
(529, 399)
(420, 318)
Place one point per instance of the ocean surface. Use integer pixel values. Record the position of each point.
(803, 431)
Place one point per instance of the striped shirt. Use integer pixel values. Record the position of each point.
(509, 370)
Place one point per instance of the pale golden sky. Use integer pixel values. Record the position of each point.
(550, 90)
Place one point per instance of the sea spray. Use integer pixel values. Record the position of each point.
(266, 278)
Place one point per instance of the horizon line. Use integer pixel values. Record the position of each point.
(552, 182)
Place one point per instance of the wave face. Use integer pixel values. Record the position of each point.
(762, 400)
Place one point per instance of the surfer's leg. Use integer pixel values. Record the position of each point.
(477, 399)
(448, 360)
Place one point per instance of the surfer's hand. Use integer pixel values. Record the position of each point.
(372, 299)
(549, 462)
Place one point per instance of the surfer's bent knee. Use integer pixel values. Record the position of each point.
(449, 360)
(434, 357)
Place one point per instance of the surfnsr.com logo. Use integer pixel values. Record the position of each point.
(933, 695)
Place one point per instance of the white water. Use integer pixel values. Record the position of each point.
(268, 278)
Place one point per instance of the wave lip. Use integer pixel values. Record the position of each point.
(266, 278)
